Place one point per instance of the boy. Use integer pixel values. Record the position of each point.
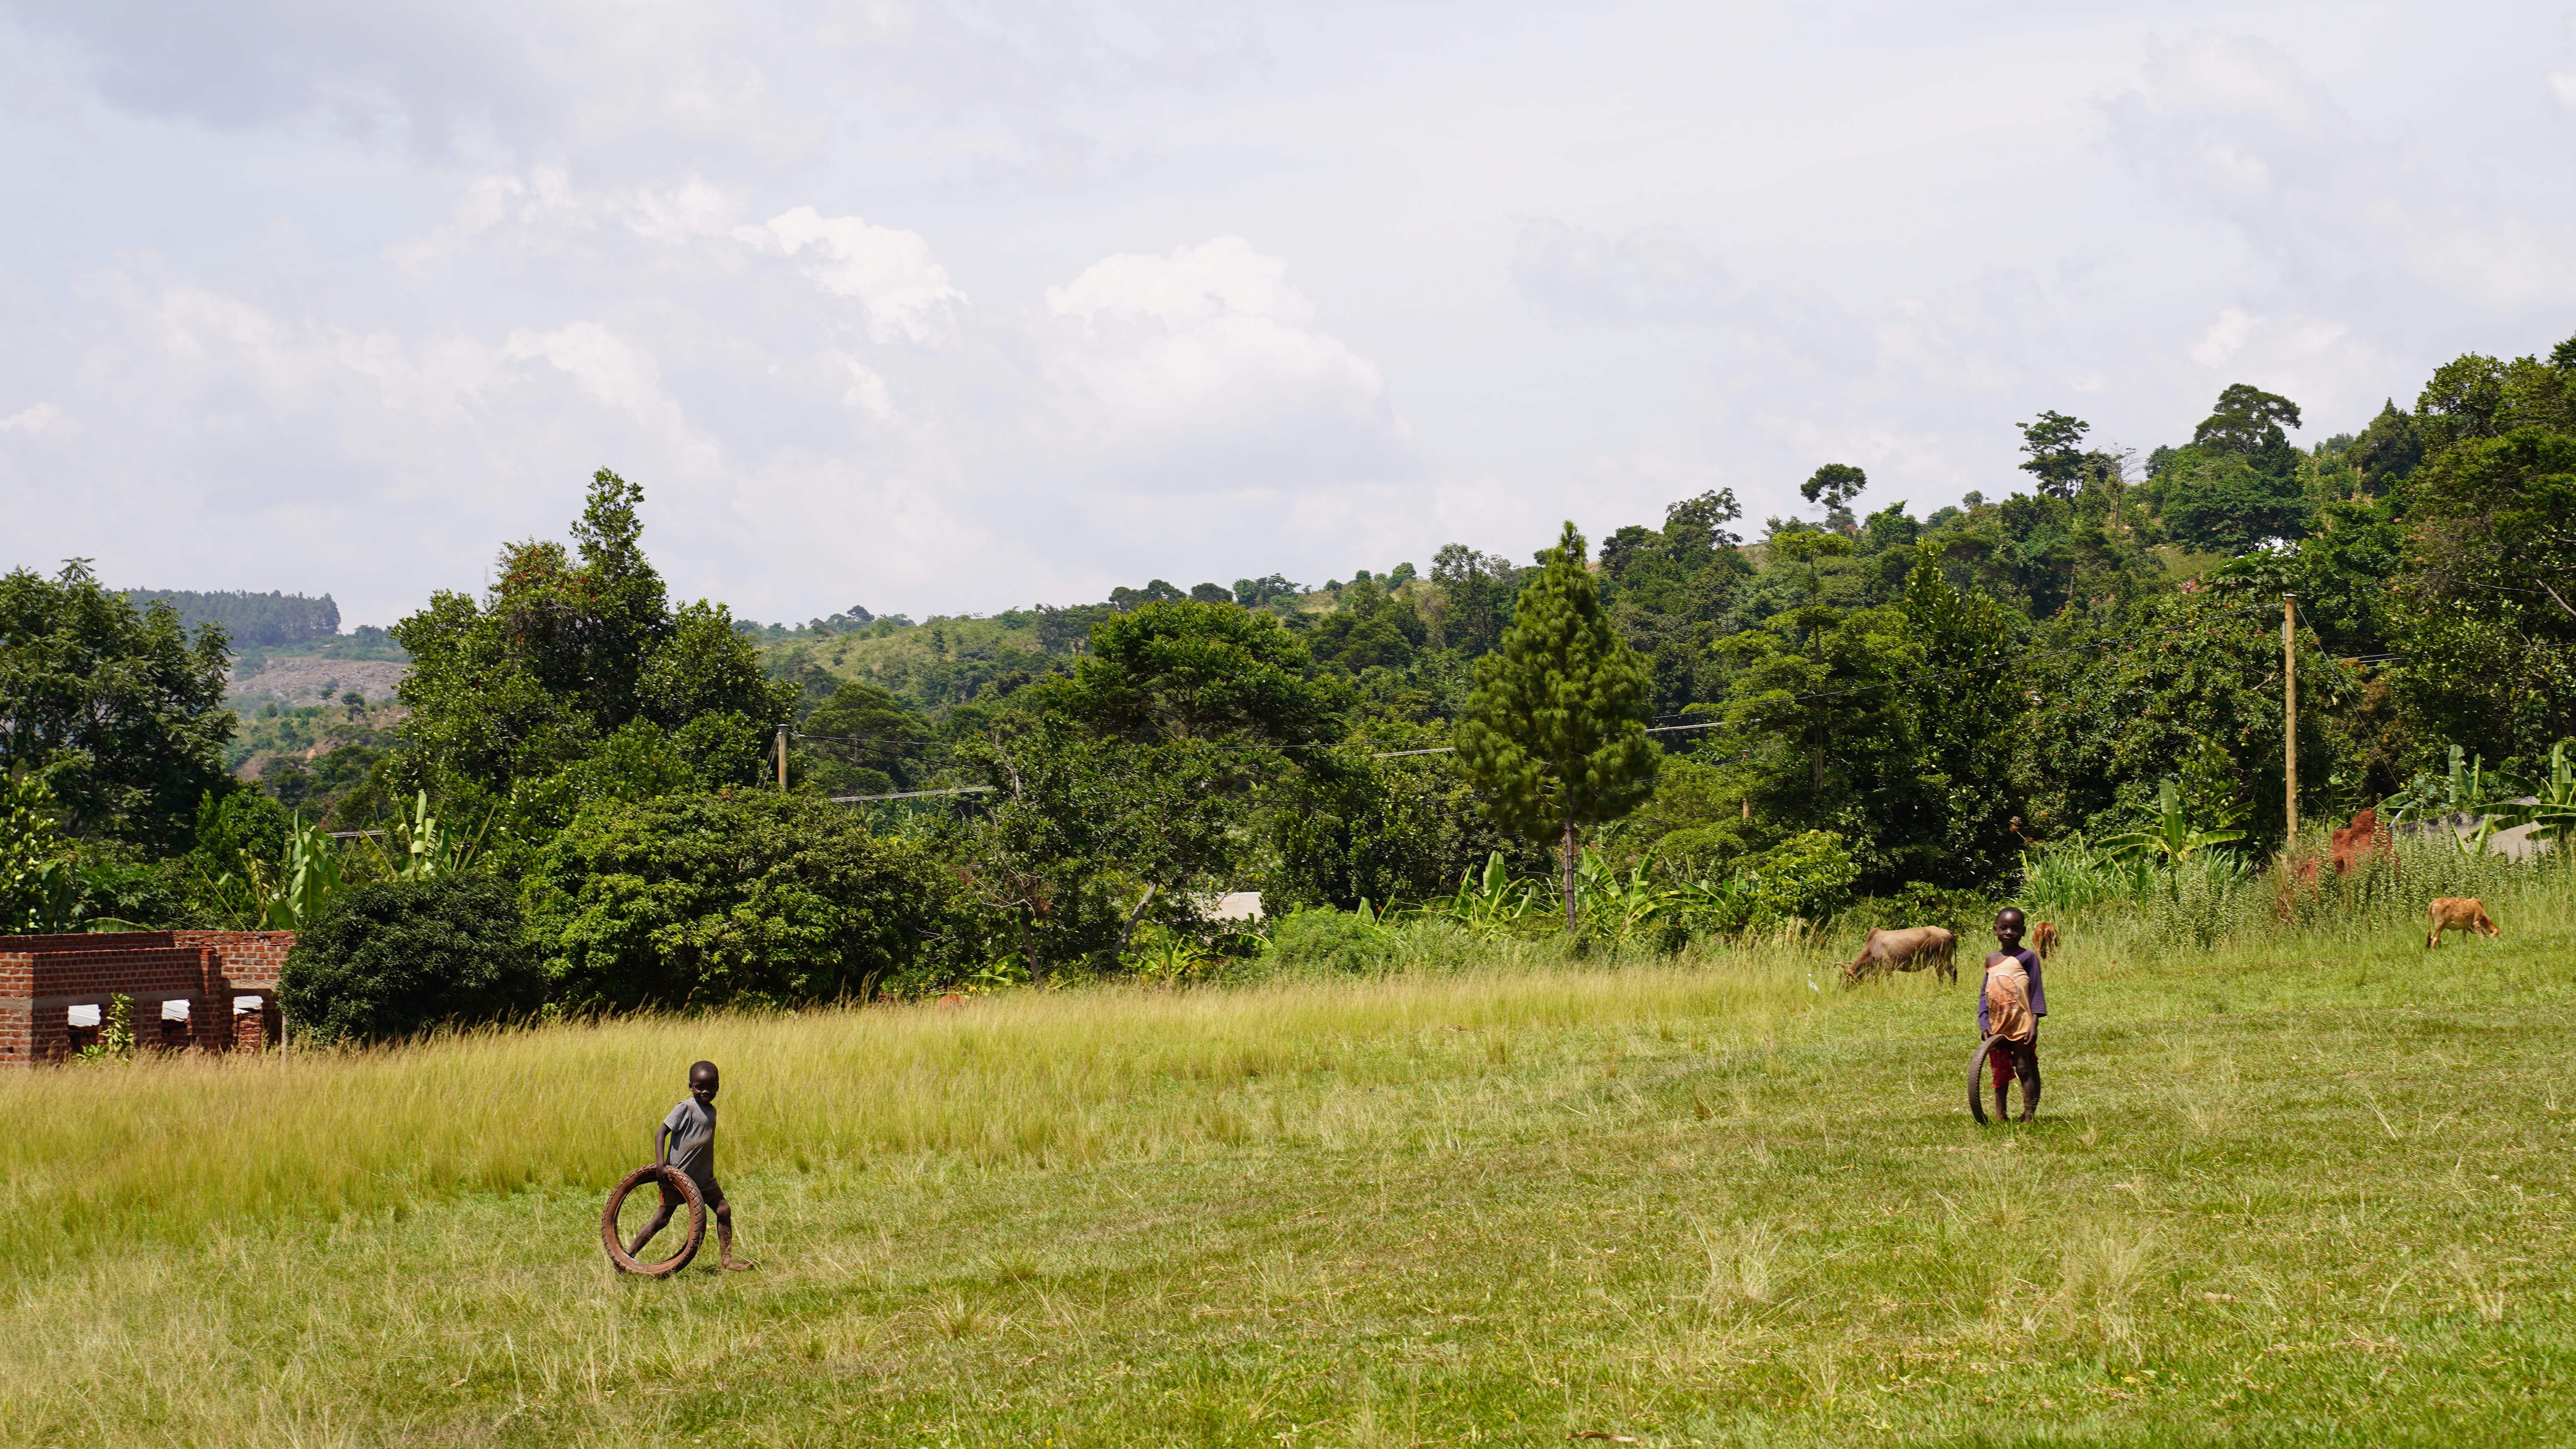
(687, 1141)
(2010, 1005)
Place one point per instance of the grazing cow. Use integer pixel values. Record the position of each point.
(2043, 938)
(1911, 949)
(2456, 913)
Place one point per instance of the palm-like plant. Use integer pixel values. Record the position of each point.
(2466, 788)
(1620, 907)
(2551, 812)
(1490, 906)
(427, 848)
(2171, 842)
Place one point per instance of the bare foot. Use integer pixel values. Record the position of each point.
(733, 1267)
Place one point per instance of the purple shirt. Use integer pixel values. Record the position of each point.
(2038, 999)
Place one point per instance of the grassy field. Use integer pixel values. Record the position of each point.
(2299, 1190)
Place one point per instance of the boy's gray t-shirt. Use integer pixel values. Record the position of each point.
(693, 1139)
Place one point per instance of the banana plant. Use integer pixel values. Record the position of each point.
(423, 846)
(1490, 906)
(1624, 907)
(290, 895)
(2170, 842)
(2551, 812)
(2466, 788)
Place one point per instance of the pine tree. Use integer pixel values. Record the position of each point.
(1553, 739)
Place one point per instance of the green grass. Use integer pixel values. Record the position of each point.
(2299, 1190)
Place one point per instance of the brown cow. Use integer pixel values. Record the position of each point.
(2456, 913)
(2043, 938)
(1911, 949)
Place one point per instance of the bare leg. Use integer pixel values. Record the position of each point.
(661, 1220)
(724, 1238)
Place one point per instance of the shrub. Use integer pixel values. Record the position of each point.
(753, 899)
(1923, 904)
(1335, 941)
(394, 958)
(1807, 876)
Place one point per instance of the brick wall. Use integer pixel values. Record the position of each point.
(43, 977)
(251, 959)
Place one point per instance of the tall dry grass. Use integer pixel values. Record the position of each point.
(163, 1149)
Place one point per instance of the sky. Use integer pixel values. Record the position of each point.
(952, 308)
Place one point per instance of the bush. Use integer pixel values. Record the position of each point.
(394, 958)
(1923, 904)
(753, 899)
(1327, 940)
(1807, 876)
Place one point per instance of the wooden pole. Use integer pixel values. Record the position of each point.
(782, 757)
(2290, 715)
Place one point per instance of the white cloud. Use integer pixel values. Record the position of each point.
(2224, 339)
(1715, 246)
(1215, 279)
(868, 392)
(1203, 366)
(33, 420)
(887, 271)
(608, 369)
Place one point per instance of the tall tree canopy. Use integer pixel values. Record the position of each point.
(1554, 737)
(115, 707)
(562, 658)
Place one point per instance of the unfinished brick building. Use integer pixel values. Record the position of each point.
(208, 991)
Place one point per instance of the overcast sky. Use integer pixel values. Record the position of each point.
(951, 308)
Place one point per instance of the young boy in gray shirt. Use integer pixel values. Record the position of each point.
(687, 1140)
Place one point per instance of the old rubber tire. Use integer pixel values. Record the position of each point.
(658, 1176)
(1977, 1078)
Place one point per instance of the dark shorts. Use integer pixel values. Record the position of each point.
(2014, 1058)
(710, 1191)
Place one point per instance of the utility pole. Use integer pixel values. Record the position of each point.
(782, 757)
(2290, 715)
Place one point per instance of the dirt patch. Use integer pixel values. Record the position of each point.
(318, 681)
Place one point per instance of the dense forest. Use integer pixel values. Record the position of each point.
(247, 618)
(1862, 702)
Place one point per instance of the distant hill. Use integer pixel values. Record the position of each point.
(252, 620)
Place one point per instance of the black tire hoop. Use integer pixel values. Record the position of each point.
(662, 1176)
(1977, 1078)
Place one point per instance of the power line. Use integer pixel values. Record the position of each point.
(910, 794)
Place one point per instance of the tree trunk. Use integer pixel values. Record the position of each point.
(1133, 917)
(1569, 875)
(1029, 950)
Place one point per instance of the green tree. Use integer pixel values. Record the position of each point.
(562, 658)
(1962, 705)
(2247, 424)
(1136, 774)
(1182, 669)
(710, 900)
(1834, 486)
(116, 709)
(2486, 600)
(1819, 713)
(2055, 443)
(2224, 502)
(1553, 739)
(2120, 703)
(864, 741)
(1042, 852)
(1350, 827)
(394, 958)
